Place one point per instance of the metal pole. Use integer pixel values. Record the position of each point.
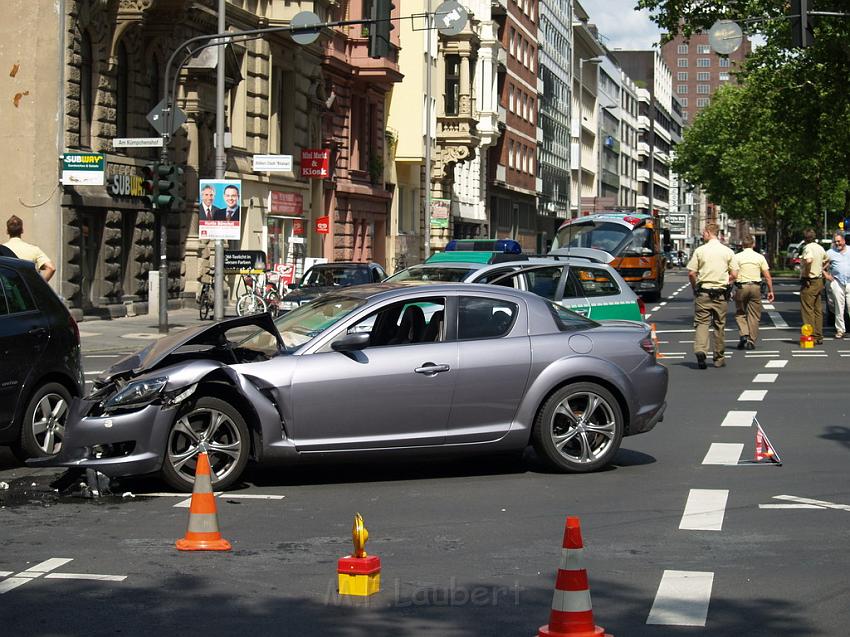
(428, 132)
(651, 153)
(220, 163)
(580, 124)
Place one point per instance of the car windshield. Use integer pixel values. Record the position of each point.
(329, 276)
(426, 273)
(607, 236)
(300, 325)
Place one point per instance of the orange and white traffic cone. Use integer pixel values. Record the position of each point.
(572, 613)
(657, 343)
(203, 534)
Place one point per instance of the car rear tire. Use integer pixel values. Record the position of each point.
(43, 424)
(222, 428)
(579, 428)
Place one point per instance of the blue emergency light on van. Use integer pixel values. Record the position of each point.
(505, 246)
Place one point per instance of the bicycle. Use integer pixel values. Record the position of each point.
(206, 298)
(250, 302)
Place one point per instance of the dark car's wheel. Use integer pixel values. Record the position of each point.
(579, 428)
(217, 424)
(43, 426)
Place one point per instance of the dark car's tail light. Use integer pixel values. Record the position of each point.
(648, 346)
(641, 306)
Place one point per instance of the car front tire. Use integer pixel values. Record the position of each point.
(43, 425)
(220, 426)
(579, 428)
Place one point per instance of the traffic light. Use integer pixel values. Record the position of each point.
(150, 181)
(169, 187)
(801, 29)
(379, 31)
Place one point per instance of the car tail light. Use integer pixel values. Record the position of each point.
(641, 306)
(75, 329)
(648, 346)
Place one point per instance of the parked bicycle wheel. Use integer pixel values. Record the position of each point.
(273, 302)
(250, 303)
(206, 302)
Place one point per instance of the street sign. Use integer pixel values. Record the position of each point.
(300, 21)
(157, 118)
(83, 169)
(450, 18)
(137, 142)
(272, 163)
(725, 36)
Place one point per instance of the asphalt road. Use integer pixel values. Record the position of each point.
(674, 545)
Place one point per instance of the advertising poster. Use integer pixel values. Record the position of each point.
(440, 209)
(220, 209)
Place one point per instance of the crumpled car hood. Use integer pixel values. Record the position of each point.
(212, 335)
(302, 295)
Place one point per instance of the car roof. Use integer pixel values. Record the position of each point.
(393, 288)
(333, 264)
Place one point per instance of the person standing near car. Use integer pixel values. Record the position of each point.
(837, 274)
(812, 262)
(710, 273)
(749, 268)
(27, 251)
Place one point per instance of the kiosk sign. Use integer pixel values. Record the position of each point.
(315, 163)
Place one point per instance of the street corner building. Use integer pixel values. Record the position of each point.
(87, 77)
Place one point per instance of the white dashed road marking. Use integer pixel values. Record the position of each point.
(753, 395)
(723, 453)
(704, 510)
(765, 378)
(682, 599)
(44, 568)
(739, 419)
(776, 364)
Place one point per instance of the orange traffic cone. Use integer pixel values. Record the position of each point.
(572, 613)
(657, 343)
(202, 534)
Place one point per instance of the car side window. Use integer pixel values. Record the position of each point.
(17, 296)
(572, 287)
(492, 275)
(484, 318)
(596, 281)
(568, 321)
(405, 323)
(544, 281)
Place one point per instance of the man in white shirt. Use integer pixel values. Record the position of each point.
(837, 273)
(27, 251)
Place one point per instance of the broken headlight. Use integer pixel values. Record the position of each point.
(136, 394)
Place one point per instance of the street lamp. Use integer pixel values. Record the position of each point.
(581, 62)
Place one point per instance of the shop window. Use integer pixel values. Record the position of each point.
(452, 84)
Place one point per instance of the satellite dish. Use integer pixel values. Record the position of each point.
(725, 36)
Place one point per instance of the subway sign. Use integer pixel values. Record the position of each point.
(124, 180)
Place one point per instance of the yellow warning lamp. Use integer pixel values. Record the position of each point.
(359, 574)
(807, 341)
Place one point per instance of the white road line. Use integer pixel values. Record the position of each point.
(31, 573)
(656, 308)
(777, 319)
(93, 373)
(791, 506)
(5, 573)
(662, 304)
(49, 565)
(254, 496)
(813, 354)
(768, 306)
(739, 419)
(115, 355)
(761, 355)
(765, 378)
(704, 510)
(822, 503)
(183, 504)
(87, 576)
(753, 394)
(682, 599)
(723, 453)
(646, 316)
(776, 364)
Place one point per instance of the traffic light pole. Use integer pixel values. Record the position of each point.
(220, 163)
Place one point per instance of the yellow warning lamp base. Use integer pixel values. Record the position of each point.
(359, 574)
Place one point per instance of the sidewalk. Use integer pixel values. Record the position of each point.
(131, 333)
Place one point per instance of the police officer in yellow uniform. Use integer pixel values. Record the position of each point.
(812, 261)
(749, 267)
(710, 272)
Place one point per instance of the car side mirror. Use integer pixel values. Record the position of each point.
(351, 342)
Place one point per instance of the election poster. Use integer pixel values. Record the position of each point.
(220, 209)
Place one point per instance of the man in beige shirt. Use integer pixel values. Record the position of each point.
(710, 272)
(27, 251)
(812, 262)
(749, 268)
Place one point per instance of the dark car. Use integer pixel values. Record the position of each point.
(324, 277)
(376, 369)
(42, 368)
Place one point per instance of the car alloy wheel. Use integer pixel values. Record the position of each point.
(214, 424)
(43, 427)
(579, 428)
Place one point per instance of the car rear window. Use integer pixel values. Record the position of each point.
(15, 296)
(425, 273)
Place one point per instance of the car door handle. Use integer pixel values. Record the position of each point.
(37, 331)
(582, 312)
(429, 369)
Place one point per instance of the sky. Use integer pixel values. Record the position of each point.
(620, 26)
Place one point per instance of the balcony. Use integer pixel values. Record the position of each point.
(643, 122)
(643, 175)
(643, 148)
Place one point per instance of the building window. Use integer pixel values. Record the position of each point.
(703, 49)
(511, 98)
(682, 49)
(683, 101)
(510, 153)
(284, 109)
(681, 89)
(703, 62)
(683, 62)
(685, 116)
(682, 76)
(724, 77)
(702, 101)
(122, 88)
(724, 62)
(452, 84)
(513, 40)
(703, 76)
(86, 91)
(703, 89)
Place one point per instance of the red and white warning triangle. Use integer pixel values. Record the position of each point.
(765, 451)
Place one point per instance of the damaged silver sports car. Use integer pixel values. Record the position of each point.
(377, 369)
